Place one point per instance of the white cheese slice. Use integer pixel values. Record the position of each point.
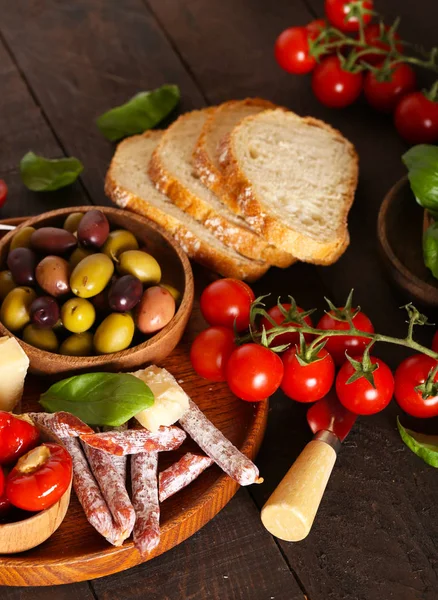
(171, 401)
(13, 368)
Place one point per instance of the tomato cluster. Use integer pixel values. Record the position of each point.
(305, 373)
(32, 477)
(366, 61)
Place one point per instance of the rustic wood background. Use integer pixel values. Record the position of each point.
(64, 63)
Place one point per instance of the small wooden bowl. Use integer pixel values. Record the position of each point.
(400, 227)
(29, 533)
(176, 270)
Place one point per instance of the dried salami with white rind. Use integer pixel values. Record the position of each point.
(182, 473)
(134, 441)
(144, 479)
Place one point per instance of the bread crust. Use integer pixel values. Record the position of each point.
(242, 239)
(251, 207)
(196, 248)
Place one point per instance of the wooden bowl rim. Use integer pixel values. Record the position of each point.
(390, 197)
(102, 359)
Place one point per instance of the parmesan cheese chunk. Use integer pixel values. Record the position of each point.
(171, 401)
(13, 368)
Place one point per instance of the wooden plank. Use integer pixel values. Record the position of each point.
(78, 591)
(24, 128)
(229, 558)
(105, 52)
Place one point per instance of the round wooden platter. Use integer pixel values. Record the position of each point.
(76, 552)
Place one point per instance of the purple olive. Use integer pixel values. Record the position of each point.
(44, 312)
(22, 263)
(125, 293)
(93, 229)
(53, 240)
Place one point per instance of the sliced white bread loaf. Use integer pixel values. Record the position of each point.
(219, 124)
(129, 186)
(171, 170)
(294, 180)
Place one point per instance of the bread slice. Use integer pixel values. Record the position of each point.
(128, 185)
(294, 180)
(218, 125)
(172, 172)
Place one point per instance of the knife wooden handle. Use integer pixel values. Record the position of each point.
(290, 511)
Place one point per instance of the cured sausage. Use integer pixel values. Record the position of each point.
(145, 500)
(181, 474)
(62, 424)
(113, 489)
(217, 447)
(120, 462)
(134, 441)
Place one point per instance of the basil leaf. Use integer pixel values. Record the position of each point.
(430, 248)
(422, 163)
(142, 112)
(99, 398)
(41, 174)
(424, 446)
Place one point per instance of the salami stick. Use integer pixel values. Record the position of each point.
(120, 462)
(113, 489)
(134, 441)
(89, 494)
(182, 473)
(145, 500)
(217, 447)
(63, 424)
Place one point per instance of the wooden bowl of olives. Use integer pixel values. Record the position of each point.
(93, 287)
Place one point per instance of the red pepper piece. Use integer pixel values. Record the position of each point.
(17, 436)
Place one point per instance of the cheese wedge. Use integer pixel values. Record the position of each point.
(171, 401)
(13, 368)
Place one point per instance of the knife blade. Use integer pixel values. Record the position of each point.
(291, 509)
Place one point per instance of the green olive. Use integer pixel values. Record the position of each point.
(14, 313)
(115, 333)
(140, 264)
(22, 238)
(44, 339)
(78, 344)
(78, 255)
(119, 241)
(91, 275)
(176, 294)
(78, 315)
(6, 284)
(72, 221)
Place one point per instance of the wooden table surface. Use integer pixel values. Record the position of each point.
(64, 63)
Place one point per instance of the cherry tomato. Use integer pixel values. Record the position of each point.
(337, 13)
(2, 482)
(384, 95)
(410, 373)
(292, 51)
(360, 396)
(372, 38)
(333, 86)
(3, 192)
(17, 436)
(338, 345)
(416, 119)
(435, 342)
(315, 27)
(310, 382)
(254, 372)
(293, 337)
(39, 478)
(210, 352)
(225, 301)
(5, 505)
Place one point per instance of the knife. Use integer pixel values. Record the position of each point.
(291, 509)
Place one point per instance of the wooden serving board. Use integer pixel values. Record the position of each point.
(76, 552)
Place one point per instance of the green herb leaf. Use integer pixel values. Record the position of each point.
(424, 446)
(430, 248)
(99, 398)
(422, 163)
(41, 174)
(142, 112)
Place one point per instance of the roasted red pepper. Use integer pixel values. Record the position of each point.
(17, 436)
(39, 478)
